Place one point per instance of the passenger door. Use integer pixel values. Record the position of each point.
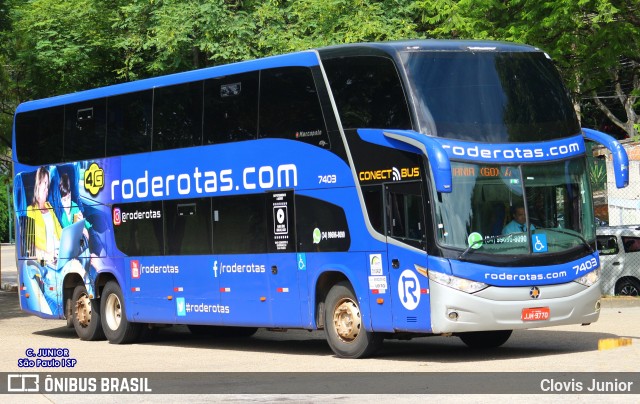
(405, 231)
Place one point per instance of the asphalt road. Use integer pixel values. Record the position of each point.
(555, 349)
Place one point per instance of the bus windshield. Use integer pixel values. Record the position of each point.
(517, 209)
(495, 97)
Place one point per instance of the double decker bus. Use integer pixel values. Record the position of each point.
(380, 190)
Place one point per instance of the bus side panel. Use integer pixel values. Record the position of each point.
(410, 290)
(244, 289)
(150, 291)
(380, 291)
(196, 290)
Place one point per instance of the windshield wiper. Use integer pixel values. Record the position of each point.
(570, 233)
(482, 240)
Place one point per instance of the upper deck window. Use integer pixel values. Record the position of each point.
(490, 96)
(368, 92)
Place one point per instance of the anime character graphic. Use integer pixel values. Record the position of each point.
(52, 245)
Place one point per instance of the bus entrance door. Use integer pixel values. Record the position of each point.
(405, 230)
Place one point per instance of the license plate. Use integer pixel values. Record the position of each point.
(536, 314)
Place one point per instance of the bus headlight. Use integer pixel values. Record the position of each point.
(464, 285)
(590, 278)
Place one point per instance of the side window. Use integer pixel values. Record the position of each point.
(321, 226)
(373, 201)
(290, 107)
(39, 136)
(138, 228)
(129, 123)
(607, 245)
(631, 244)
(368, 92)
(239, 225)
(405, 213)
(177, 116)
(231, 108)
(84, 132)
(188, 226)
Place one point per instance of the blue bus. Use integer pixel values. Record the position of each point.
(376, 191)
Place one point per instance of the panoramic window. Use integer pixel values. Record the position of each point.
(129, 123)
(231, 108)
(368, 92)
(177, 116)
(290, 107)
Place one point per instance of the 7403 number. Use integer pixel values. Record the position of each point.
(327, 179)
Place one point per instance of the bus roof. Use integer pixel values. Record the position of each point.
(304, 58)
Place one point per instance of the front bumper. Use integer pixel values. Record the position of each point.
(500, 308)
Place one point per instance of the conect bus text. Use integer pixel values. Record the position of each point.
(205, 182)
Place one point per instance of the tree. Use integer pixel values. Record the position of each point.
(596, 43)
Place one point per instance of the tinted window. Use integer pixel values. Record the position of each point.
(373, 201)
(490, 96)
(631, 244)
(129, 123)
(85, 126)
(140, 228)
(177, 116)
(607, 245)
(231, 108)
(290, 107)
(321, 226)
(405, 213)
(188, 226)
(368, 92)
(39, 136)
(239, 225)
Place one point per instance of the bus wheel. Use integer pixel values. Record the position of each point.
(343, 327)
(85, 315)
(117, 328)
(485, 339)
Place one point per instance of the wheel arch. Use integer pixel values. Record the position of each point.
(323, 284)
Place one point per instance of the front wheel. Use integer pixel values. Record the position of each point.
(485, 339)
(343, 326)
(117, 328)
(85, 315)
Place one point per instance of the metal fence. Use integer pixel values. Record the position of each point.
(618, 233)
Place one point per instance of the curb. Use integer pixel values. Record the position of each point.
(10, 287)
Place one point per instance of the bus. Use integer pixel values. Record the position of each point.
(373, 191)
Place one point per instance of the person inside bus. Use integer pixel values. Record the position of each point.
(47, 229)
(519, 222)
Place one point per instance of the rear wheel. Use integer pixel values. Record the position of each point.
(85, 315)
(117, 328)
(485, 339)
(343, 326)
(627, 287)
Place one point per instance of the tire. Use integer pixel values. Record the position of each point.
(85, 315)
(222, 331)
(343, 327)
(485, 339)
(627, 287)
(117, 328)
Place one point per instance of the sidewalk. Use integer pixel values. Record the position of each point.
(9, 281)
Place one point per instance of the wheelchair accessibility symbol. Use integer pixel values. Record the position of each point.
(539, 243)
